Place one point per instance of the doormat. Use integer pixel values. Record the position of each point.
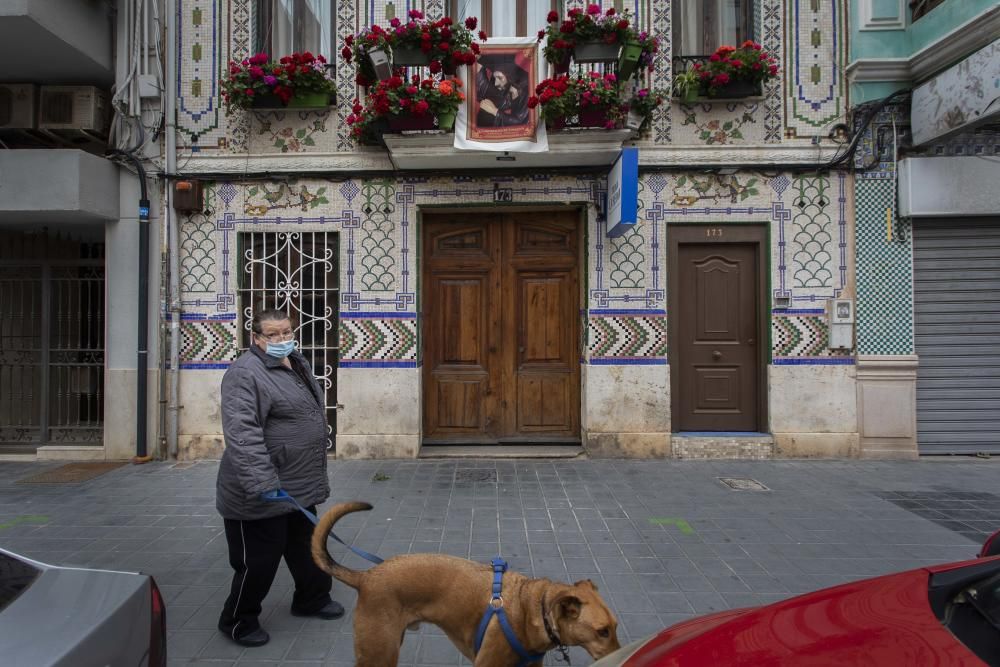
(72, 473)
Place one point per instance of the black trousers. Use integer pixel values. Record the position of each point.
(255, 551)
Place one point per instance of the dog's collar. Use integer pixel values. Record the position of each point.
(553, 637)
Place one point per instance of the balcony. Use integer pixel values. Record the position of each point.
(56, 42)
(57, 186)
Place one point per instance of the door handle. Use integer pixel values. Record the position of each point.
(716, 355)
(520, 349)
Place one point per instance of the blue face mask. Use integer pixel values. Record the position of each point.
(280, 350)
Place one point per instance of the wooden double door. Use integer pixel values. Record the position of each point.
(500, 301)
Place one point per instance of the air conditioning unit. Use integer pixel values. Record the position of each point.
(73, 108)
(17, 106)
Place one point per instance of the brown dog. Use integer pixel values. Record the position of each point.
(452, 593)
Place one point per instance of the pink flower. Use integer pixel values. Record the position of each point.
(420, 108)
(415, 14)
(593, 10)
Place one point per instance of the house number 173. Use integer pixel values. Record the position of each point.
(713, 232)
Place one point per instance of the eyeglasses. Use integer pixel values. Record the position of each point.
(277, 337)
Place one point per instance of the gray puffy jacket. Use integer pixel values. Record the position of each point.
(276, 433)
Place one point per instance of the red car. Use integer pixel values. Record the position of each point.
(940, 615)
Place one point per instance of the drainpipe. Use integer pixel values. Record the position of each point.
(142, 342)
(173, 402)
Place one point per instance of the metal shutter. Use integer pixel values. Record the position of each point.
(956, 276)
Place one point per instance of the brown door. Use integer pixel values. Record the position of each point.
(716, 291)
(500, 309)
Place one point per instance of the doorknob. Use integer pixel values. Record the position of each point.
(716, 355)
(521, 350)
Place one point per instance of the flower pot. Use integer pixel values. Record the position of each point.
(404, 56)
(735, 90)
(446, 120)
(628, 61)
(409, 122)
(561, 67)
(593, 117)
(377, 65)
(449, 68)
(555, 124)
(596, 52)
(634, 120)
(689, 95)
(309, 100)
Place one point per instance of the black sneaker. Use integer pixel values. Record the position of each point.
(257, 637)
(332, 610)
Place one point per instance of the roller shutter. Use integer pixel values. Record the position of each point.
(957, 303)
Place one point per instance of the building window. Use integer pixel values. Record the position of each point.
(920, 8)
(702, 26)
(298, 272)
(506, 18)
(290, 26)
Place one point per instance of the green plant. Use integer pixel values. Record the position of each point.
(258, 75)
(687, 85)
(590, 25)
(644, 100)
(748, 63)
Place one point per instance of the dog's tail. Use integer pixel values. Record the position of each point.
(322, 555)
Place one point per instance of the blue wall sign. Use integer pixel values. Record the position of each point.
(623, 192)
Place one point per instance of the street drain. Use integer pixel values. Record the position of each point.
(742, 484)
(476, 476)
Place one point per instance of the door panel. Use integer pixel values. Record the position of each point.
(716, 356)
(501, 298)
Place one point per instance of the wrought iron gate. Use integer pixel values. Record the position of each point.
(51, 342)
(297, 272)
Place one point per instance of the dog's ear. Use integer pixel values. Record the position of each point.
(586, 583)
(567, 606)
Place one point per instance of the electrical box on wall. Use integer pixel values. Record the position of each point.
(841, 321)
(188, 196)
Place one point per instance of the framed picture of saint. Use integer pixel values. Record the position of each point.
(497, 91)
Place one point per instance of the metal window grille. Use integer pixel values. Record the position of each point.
(297, 272)
(52, 307)
(920, 8)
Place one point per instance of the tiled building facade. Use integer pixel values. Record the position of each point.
(711, 164)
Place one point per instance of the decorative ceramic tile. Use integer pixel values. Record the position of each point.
(815, 84)
(208, 342)
(202, 52)
(386, 339)
(620, 335)
(884, 272)
(801, 335)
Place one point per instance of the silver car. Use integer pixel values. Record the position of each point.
(69, 616)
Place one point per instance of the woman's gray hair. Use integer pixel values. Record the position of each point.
(268, 315)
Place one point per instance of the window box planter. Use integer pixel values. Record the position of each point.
(377, 65)
(628, 61)
(298, 101)
(593, 117)
(736, 90)
(596, 52)
(409, 57)
(410, 123)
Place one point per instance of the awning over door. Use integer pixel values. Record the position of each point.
(957, 304)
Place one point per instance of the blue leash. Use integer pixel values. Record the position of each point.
(280, 496)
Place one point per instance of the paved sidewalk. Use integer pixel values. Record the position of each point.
(664, 540)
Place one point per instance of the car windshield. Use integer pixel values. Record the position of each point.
(15, 577)
(973, 616)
